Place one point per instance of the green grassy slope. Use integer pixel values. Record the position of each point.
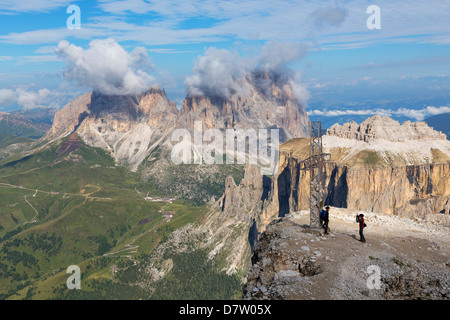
(84, 210)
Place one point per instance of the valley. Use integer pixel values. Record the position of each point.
(81, 216)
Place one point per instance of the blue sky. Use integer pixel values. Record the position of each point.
(405, 64)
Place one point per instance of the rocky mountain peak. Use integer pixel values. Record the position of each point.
(139, 107)
(272, 85)
(265, 101)
(118, 112)
(128, 126)
(240, 200)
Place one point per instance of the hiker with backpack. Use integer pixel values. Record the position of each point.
(362, 225)
(324, 217)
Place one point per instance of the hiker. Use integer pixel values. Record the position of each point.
(322, 216)
(325, 219)
(360, 220)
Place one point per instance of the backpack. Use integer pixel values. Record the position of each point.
(322, 214)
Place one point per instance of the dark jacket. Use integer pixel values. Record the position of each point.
(361, 222)
(327, 214)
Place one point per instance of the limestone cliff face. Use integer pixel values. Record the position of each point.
(127, 126)
(414, 191)
(243, 201)
(130, 127)
(234, 221)
(69, 118)
(390, 190)
(247, 201)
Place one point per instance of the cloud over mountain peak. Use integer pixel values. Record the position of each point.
(107, 67)
(221, 72)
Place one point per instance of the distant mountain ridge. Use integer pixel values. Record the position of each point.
(16, 128)
(37, 115)
(385, 128)
(392, 143)
(440, 122)
(17, 125)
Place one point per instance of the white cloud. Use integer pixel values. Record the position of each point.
(17, 6)
(26, 99)
(336, 24)
(31, 96)
(276, 54)
(35, 36)
(417, 114)
(106, 67)
(403, 63)
(335, 113)
(7, 96)
(328, 16)
(300, 92)
(222, 72)
(422, 113)
(217, 72)
(45, 50)
(39, 58)
(32, 99)
(334, 27)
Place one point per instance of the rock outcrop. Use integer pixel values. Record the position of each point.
(228, 231)
(385, 128)
(68, 118)
(393, 191)
(235, 220)
(402, 259)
